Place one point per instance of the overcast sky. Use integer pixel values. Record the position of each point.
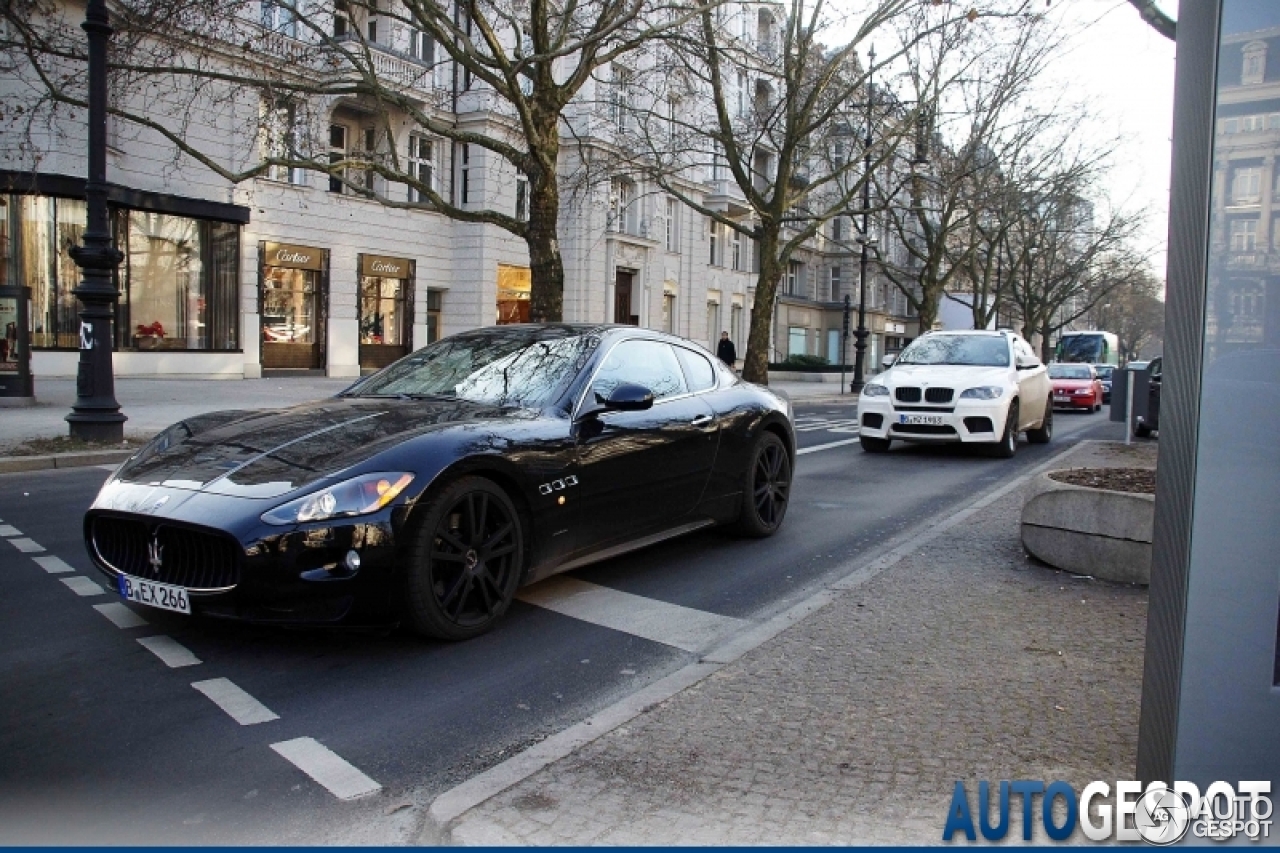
(1124, 69)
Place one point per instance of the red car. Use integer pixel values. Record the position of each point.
(1076, 386)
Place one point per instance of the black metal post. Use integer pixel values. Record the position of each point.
(860, 334)
(96, 415)
(844, 341)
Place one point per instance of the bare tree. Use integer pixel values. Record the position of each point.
(1156, 17)
(1134, 311)
(267, 71)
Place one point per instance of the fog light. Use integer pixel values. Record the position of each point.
(352, 561)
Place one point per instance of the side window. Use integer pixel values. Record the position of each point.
(648, 363)
(698, 372)
(1156, 368)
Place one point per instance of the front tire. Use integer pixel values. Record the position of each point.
(465, 562)
(766, 488)
(1043, 433)
(1141, 430)
(874, 445)
(1008, 445)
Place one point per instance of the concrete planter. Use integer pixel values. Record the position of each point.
(1089, 531)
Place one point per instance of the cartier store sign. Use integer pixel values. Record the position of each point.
(379, 265)
(293, 257)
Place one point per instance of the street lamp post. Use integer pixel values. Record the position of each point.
(95, 415)
(861, 333)
(844, 341)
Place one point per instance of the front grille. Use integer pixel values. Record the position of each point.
(196, 559)
(938, 395)
(907, 395)
(925, 429)
(871, 420)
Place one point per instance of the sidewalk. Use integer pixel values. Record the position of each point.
(153, 404)
(961, 659)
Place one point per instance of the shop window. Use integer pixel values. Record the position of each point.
(422, 167)
(435, 309)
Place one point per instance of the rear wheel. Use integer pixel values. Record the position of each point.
(874, 445)
(1141, 430)
(1009, 440)
(766, 488)
(1043, 433)
(465, 561)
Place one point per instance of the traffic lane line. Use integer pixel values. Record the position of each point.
(172, 653)
(82, 586)
(8, 530)
(26, 546)
(240, 706)
(333, 772)
(817, 447)
(53, 565)
(670, 624)
(120, 616)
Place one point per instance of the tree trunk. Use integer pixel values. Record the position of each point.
(1046, 351)
(929, 297)
(755, 364)
(546, 266)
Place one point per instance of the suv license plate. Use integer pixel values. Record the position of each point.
(931, 420)
(162, 595)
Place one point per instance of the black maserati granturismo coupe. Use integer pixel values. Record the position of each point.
(428, 492)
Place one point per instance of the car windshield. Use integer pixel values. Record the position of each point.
(976, 350)
(530, 370)
(1068, 371)
(1104, 372)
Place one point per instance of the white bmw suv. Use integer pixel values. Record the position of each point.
(964, 386)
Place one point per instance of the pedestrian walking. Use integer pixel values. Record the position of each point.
(726, 351)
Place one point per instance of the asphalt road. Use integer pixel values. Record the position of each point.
(103, 742)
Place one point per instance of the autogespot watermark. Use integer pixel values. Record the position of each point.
(1159, 815)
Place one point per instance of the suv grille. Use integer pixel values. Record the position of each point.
(907, 395)
(938, 395)
(195, 559)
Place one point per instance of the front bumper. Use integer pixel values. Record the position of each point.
(964, 421)
(1075, 401)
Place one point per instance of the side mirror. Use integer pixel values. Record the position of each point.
(625, 397)
(888, 360)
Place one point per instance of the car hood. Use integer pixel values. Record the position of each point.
(266, 454)
(957, 376)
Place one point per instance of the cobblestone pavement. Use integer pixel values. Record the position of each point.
(966, 660)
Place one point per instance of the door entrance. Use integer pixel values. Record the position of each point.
(292, 305)
(622, 299)
(386, 310)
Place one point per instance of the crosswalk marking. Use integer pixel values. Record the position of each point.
(670, 624)
(339, 776)
(810, 423)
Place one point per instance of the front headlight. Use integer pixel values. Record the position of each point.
(357, 496)
(871, 389)
(983, 392)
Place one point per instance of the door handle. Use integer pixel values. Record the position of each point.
(701, 420)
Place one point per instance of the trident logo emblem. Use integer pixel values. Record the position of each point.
(155, 554)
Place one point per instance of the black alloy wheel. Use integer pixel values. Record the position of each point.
(466, 560)
(1043, 433)
(767, 488)
(1008, 445)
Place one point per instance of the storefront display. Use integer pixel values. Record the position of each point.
(514, 284)
(386, 309)
(293, 305)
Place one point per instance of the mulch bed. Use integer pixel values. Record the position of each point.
(1141, 480)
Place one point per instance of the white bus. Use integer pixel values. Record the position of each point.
(1088, 347)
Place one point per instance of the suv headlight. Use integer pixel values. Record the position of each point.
(871, 389)
(357, 496)
(983, 392)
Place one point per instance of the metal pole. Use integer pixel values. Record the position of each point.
(96, 415)
(860, 335)
(1128, 408)
(844, 341)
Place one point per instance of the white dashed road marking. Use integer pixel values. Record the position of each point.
(26, 546)
(242, 707)
(170, 651)
(82, 586)
(326, 767)
(9, 530)
(53, 565)
(802, 451)
(120, 616)
(670, 624)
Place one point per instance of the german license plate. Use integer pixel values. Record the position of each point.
(162, 595)
(1061, 398)
(931, 420)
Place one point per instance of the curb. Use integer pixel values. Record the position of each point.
(447, 809)
(18, 464)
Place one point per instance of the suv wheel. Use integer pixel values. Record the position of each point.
(1043, 433)
(1009, 441)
